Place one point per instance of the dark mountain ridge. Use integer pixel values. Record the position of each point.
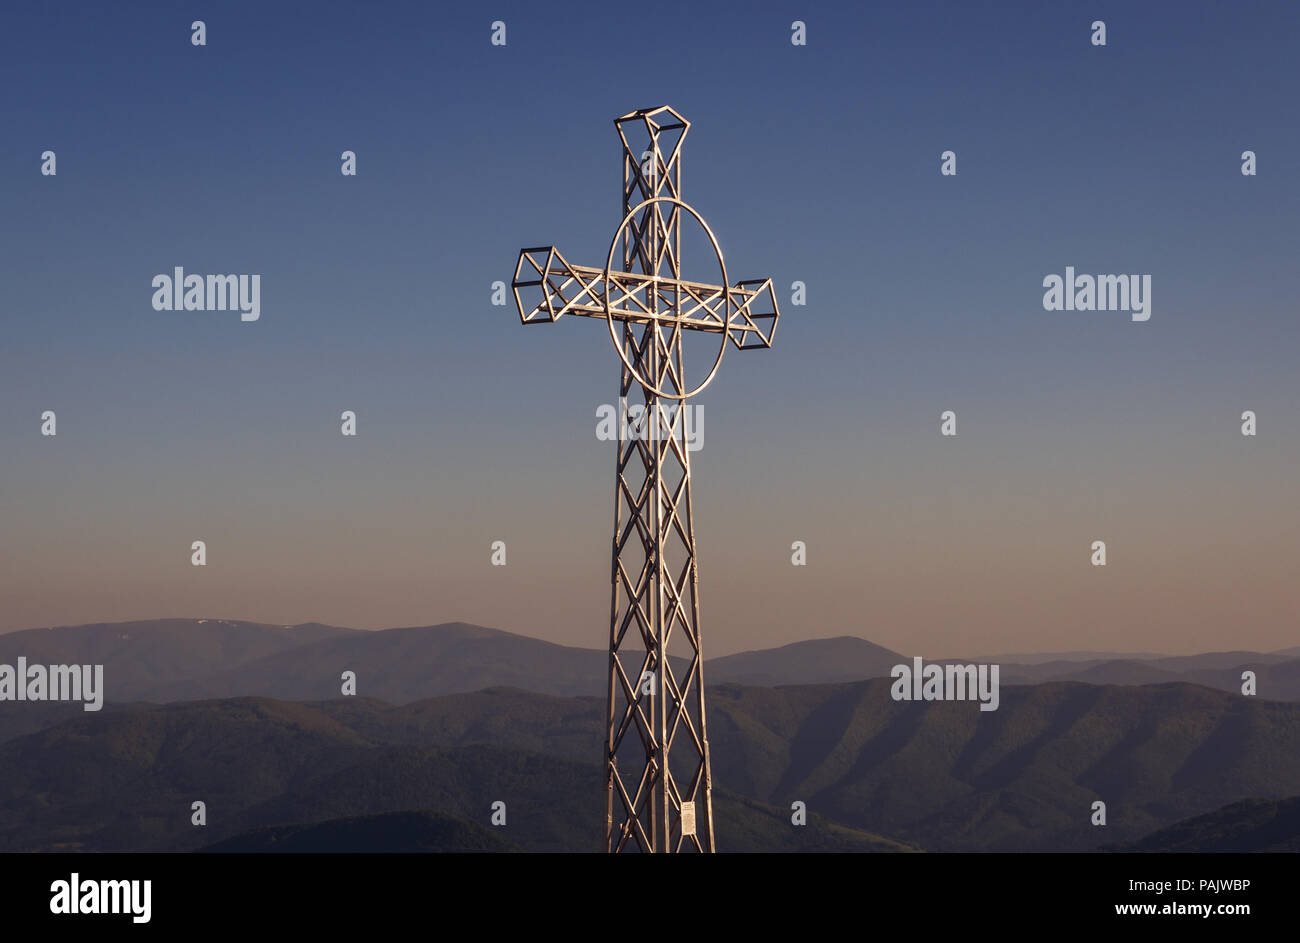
(939, 775)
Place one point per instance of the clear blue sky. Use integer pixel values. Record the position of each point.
(819, 164)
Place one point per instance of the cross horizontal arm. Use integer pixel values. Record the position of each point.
(581, 290)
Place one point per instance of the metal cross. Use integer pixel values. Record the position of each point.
(656, 799)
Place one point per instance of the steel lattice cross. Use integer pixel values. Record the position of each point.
(655, 706)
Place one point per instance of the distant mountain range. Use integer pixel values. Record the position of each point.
(875, 774)
(1277, 674)
(191, 659)
(138, 656)
(450, 718)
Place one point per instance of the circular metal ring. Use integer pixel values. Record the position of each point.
(726, 299)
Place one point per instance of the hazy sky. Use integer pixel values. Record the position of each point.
(819, 164)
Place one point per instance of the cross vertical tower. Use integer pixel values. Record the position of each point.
(657, 775)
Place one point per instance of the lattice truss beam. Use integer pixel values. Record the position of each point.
(747, 311)
(664, 764)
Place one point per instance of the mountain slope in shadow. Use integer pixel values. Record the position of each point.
(386, 833)
(1252, 825)
(934, 775)
(125, 781)
(946, 776)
